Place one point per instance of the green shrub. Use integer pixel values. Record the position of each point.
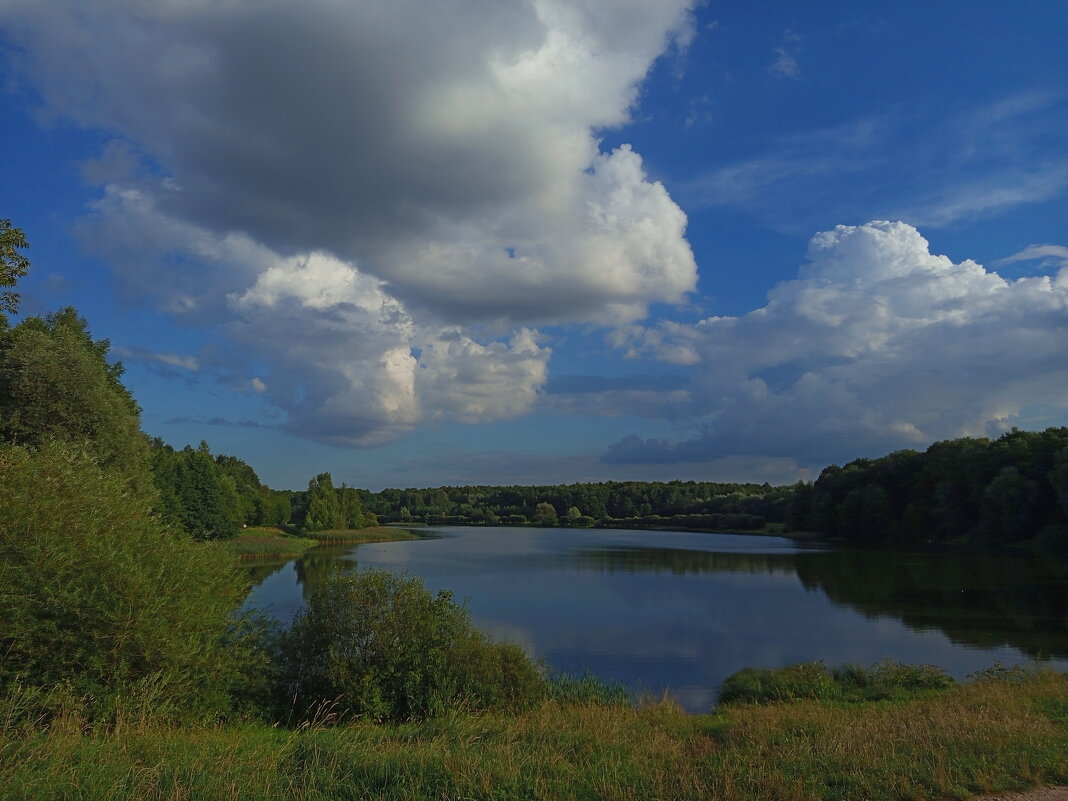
(379, 646)
(883, 680)
(889, 680)
(98, 598)
(761, 685)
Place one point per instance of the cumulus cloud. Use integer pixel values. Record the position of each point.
(878, 344)
(362, 369)
(378, 201)
(438, 147)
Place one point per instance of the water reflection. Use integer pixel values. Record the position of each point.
(984, 599)
(680, 611)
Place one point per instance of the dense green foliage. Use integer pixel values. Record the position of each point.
(647, 504)
(56, 383)
(323, 507)
(195, 493)
(377, 646)
(100, 599)
(999, 491)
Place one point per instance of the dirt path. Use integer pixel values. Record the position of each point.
(1039, 794)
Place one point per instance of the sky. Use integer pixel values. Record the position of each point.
(547, 241)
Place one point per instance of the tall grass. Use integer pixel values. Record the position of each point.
(989, 735)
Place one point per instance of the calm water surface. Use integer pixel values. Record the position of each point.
(680, 611)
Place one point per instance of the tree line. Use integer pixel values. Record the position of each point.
(970, 490)
(648, 504)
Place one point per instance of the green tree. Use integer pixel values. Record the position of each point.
(13, 266)
(209, 506)
(247, 486)
(545, 514)
(350, 508)
(323, 512)
(56, 383)
(1008, 503)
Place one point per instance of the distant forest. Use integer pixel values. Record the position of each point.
(1008, 490)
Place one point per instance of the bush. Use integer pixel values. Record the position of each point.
(380, 646)
(98, 598)
(760, 685)
(889, 680)
(884, 680)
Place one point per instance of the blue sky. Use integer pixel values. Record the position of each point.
(538, 242)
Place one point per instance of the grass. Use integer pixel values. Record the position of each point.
(262, 542)
(991, 735)
(360, 535)
(277, 542)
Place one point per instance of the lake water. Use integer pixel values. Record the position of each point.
(678, 611)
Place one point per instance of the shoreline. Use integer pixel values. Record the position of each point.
(273, 543)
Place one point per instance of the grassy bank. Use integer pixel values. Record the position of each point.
(986, 736)
(275, 542)
(361, 535)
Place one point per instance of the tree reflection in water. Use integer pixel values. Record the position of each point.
(983, 599)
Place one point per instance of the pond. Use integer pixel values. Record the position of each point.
(677, 612)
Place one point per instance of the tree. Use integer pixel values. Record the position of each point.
(349, 508)
(13, 266)
(56, 383)
(323, 510)
(545, 514)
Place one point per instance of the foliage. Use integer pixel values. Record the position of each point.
(378, 646)
(212, 497)
(324, 507)
(812, 680)
(1002, 491)
(195, 493)
(323, 510)
(642, 504)
(97, 596)
(56, 383)
(545, 514)
(13, 266)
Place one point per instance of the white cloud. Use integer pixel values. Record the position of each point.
(878, 344)
(184, 361)
(379, 201)
(362, 370)
(1046, 256)
(478, 383)
(424, 143)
